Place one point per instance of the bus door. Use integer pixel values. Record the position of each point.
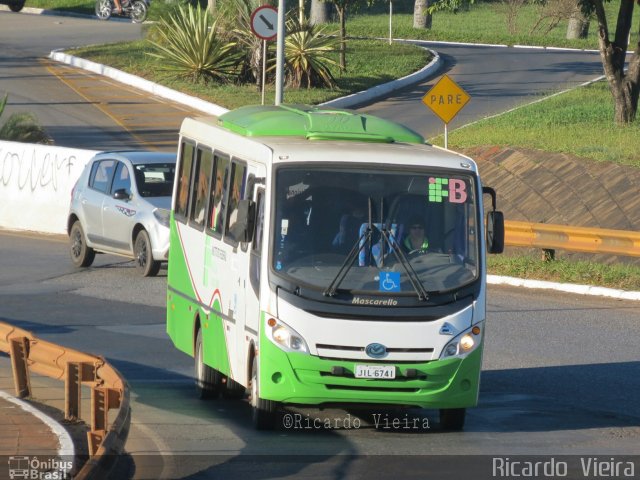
(252, 299)
(238, 272)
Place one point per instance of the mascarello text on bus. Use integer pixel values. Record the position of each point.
(323, 257)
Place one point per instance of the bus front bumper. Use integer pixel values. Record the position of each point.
(297, 378)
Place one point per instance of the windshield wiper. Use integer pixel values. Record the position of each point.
(351, 256)
(397, 251)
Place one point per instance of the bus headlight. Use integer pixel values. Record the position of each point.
(285, 337)
(463, 344)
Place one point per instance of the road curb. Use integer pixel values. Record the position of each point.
(564, 287)
(380, 90)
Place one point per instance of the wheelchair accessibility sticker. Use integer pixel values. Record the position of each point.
(389, 281)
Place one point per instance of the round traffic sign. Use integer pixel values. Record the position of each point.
(264, 22)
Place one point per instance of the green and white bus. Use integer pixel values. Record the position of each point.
(328, 257)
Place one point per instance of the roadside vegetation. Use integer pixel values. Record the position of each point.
(565, 270)
(20, 127)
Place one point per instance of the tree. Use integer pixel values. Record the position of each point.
(578, 26)
(624, 86)
(421, 16)
(341, 9)
(320, 12)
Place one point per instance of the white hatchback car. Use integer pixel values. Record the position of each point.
(121, 204)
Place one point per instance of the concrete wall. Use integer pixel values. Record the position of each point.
(36, 183)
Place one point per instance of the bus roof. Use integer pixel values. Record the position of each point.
(315, 123)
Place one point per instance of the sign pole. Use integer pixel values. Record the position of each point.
(446, 137)
(390, 16)
(280, 52)
(264, 67)
(263, 25)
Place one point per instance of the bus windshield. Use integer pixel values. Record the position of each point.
(375, 231)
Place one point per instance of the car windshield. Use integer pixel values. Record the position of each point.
(155, 179)
(375, 231)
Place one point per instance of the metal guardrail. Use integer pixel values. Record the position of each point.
(576, 239)
(109, 391)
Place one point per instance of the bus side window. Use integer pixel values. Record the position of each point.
(184, 176)
(236, 193)
(256, 247)
(216, 202)
(200, 193)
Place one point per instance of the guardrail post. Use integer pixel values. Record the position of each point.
(99, 409)
(76, 374)
(19, 354)
(94, 439)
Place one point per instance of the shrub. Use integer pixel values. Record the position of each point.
(307, 49)
(21, 127)
(189, 47)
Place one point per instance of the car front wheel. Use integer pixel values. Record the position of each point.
(81, 254)
(143, 254)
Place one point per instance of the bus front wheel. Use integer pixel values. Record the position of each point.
(208, 380)
(452, 419)
(264, 413)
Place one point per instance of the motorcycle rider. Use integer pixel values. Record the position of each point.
(118, 6)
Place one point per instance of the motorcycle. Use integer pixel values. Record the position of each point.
(136, 10)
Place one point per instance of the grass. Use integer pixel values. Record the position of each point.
(483, 22)
(366, 67)
(578, 122)
(620, 276)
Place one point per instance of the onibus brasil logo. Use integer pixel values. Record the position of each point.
(37, 469)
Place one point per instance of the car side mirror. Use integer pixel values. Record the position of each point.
(121, 194)
(242, 230)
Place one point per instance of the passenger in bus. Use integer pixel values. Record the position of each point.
(416, 240)
(183, 193)
(216, 195)
(349, 228)
(234, 200)
(201, 199)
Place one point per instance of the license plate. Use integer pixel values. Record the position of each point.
(375, 371)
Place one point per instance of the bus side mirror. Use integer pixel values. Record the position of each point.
(495, 232)
(246, 221)
(494, 225)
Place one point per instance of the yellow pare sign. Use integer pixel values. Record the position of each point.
(446, 98)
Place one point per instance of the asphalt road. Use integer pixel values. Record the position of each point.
(560, 378)
(496, 78)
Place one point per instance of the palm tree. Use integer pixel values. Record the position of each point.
(21, 127)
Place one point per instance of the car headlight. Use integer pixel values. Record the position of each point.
(463, 344)
(162, 215)
(285, 337)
